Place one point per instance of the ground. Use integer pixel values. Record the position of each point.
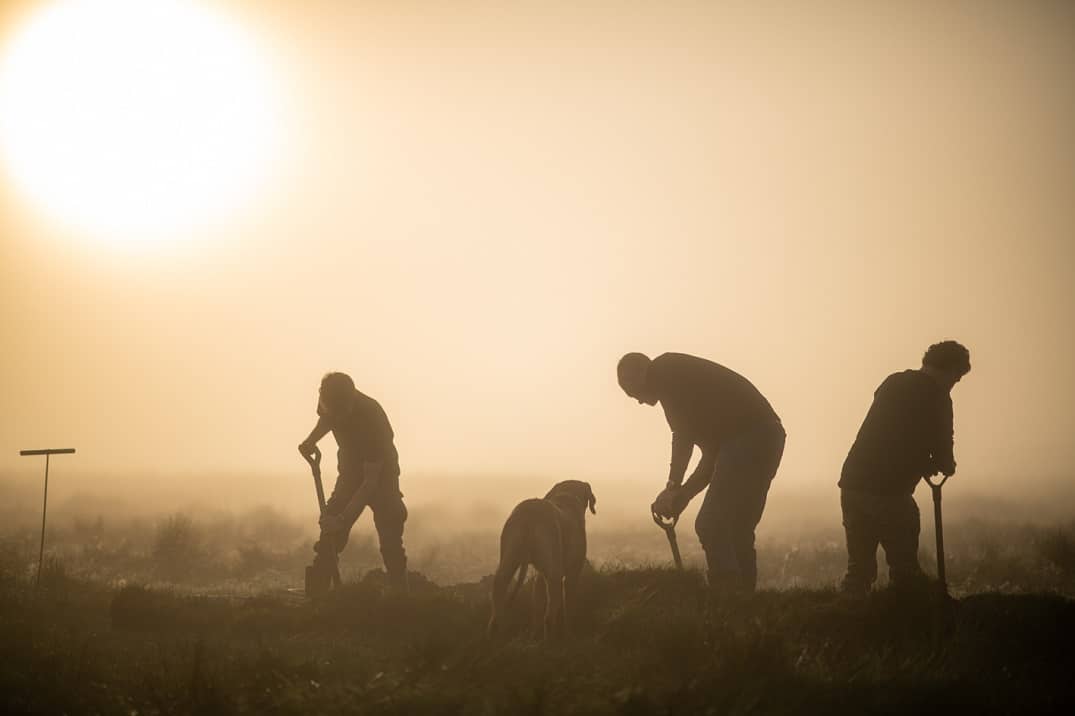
(177, 617)
(643, 641)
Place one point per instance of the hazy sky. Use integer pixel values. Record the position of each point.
(478, 207)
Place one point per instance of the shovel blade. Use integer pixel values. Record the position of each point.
(318, 582)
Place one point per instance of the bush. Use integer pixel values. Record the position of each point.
(177, 547)
(269, 528)
(53, 574)
(11, 566)
(1057, 547)
(253, 559)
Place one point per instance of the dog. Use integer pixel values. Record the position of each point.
(550, 534)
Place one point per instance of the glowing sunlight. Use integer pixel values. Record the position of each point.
(135, 120)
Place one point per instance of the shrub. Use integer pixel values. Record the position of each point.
(253, 559)
(53, 574)
(177, 547)
(11, 566)
(1057, 547)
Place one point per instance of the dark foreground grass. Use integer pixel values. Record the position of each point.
(644, 641)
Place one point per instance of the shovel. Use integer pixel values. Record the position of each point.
(938, 528)
(315, 466)
(669, 527)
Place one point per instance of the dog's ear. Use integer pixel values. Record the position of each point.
(592, 500)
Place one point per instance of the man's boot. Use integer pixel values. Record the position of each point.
(397, 580)
(854, 587)
(395, 565)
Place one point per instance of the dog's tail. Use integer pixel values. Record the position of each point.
(514, 563)
(523, 567)
(504, 592)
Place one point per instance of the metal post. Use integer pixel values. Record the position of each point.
(45, 503)
(44, 511)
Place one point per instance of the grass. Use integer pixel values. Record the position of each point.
(183, 615)
(261, 550)
(643, 641)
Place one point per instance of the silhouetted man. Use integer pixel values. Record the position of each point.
(368, 475)
(742, 442)
(907, 435)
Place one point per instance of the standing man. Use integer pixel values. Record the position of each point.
(741, 440)
(368, 475)
(907, 435)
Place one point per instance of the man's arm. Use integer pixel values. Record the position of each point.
(372, 469)
(371, 482)
(674, 497)
(701, 476)
(320, 430)
(682, 449)
(943, 459)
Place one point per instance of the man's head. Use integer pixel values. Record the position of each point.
(632, 372)
(337, 395)
(946, 362)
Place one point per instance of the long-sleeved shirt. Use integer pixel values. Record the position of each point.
(705, 404)
(364, 435)
(907, 435)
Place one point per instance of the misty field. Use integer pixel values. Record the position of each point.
(250, 552)
(187, 615)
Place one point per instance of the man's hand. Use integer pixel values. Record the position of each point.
(938, 469)
(333, 524)
(671, 501)
(309, 450)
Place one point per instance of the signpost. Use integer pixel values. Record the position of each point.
(47, 453)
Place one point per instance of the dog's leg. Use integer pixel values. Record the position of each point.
(500, 588)
(555, 608)
(571, 587)
(501, 580)
(547, 557)
(540, 600)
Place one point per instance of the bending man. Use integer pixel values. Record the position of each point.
(368, 475)
(742, 442)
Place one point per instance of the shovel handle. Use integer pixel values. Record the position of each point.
(938, 527)
(314, 459)
(664, 523)
(669, 527)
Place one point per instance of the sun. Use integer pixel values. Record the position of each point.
(136, 120)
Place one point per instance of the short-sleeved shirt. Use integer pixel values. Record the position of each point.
(705, 402)
(907, 435)
(365, 435)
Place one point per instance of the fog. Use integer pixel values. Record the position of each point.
(479, 207)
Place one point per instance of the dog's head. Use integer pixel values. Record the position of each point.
(576, 489)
